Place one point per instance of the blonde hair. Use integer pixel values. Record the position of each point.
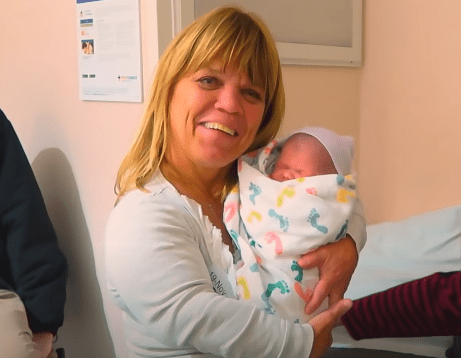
(229, 35)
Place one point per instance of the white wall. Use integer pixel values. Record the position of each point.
(75, 148)
(410, 108)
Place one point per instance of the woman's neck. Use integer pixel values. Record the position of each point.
(204, 186)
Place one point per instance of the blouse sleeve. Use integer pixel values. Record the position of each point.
(154, 262)
(357, 225)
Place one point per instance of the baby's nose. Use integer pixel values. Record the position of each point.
(288, 175)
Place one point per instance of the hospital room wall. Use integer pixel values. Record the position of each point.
(410, 108)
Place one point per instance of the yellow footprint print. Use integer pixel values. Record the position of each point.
(254, 214)
(286, 192)
(242, 282)
(343, 194)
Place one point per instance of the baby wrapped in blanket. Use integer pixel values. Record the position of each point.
(293, 196)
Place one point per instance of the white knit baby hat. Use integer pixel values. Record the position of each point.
(341, 148)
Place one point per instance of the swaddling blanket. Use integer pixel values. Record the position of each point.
(275, 223)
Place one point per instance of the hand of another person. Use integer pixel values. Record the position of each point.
(44, 343)
(336, 263)
(322, 325)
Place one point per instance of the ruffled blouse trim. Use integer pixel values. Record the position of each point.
(220, 252)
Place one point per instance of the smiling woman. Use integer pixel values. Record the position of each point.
(214, 119)
(203, 52)
(171, 263)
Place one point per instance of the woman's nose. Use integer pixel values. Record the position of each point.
(229, 100)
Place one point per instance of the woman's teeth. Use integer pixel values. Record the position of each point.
(220, 127)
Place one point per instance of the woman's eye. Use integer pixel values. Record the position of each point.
(208, 82)
(253, 94)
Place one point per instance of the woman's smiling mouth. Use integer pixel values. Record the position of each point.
(220, 127)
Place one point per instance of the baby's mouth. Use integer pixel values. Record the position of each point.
(220, 127)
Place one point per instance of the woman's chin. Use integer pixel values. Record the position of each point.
(217, 160)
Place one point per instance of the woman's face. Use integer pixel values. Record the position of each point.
(214, 118)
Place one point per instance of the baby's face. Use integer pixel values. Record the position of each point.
(302, 157)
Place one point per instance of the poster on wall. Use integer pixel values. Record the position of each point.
(109, 50)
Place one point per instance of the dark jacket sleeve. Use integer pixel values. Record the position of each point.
(429, 306)
(31, 263)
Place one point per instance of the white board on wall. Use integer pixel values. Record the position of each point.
(308, 32)
(109, 50)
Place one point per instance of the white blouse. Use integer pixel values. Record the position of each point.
(173, 278)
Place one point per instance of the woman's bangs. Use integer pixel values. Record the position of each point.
(233, 41)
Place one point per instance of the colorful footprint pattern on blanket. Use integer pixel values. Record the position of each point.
(314, 217)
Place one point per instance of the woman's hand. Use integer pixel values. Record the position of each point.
(336, 263)
(43, 342)
(323, 323)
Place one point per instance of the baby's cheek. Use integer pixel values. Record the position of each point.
(279, 175)
(274, 174)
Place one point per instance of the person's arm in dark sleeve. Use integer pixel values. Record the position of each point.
(429, 306)
(37, 267)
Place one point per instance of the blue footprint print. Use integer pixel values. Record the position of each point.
(284, 224)
(234, 235)
(256, 191)
(281, 285)
(312, 219)
(340, 179)
(295, 267)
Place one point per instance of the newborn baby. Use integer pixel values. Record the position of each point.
(302, 155)
(293, 196)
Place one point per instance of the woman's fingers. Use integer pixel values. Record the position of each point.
(319, 294)
(323, 324)
(335, 296)
(336, 262)
(329, 317)
(312, 259)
